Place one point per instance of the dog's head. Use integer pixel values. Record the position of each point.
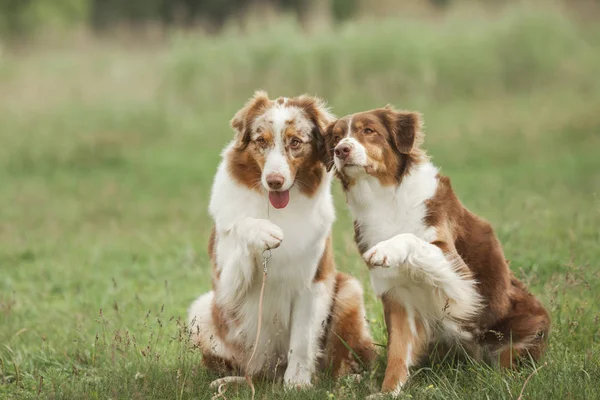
(383, 143)
(280, 143)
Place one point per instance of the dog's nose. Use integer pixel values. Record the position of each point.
(343, 150)
(275, 181)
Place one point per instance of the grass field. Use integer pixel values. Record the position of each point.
(108, 152)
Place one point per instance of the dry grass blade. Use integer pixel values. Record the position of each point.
(527, 380)
(40, 386)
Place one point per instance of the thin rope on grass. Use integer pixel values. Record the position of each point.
(266, 257)
(222, 382)
(258, 329)
(237, 379)
(220, 392)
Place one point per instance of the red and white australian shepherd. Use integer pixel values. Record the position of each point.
(276, 161)
(438, 268)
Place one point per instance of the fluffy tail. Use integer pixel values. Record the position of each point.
(450, 276)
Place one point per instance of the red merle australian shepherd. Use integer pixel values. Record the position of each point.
(438, 268)
(272, 191)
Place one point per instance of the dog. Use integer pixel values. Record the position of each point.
(438, 268)
(272, 192)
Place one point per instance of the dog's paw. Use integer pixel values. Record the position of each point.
(380, 396)
(389, 253)
(386, 394)
(234, 380)
(265, 235)
(377, 256)
(297, 378)
(297, 385)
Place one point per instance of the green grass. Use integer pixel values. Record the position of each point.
(108, 154)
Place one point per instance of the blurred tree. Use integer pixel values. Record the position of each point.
(213, 13)
(25, 16)
(343, 9)
(440, 3)
(105, 13)
(13, 16)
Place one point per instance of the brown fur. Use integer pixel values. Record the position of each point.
(362, 247)
(348, 325)
(392, 147)
(243, 119)
(512, 324)
(306, 163)
(218, 364)
(220, 321)
(326, 267)
(473, 239)
(245, 169)
(399, 337)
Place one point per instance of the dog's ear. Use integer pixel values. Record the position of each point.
(242, 120)
(405, 127)
(320, 116)
(327, 153)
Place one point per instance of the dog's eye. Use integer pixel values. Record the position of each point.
(261, 141)
(336, 139)
(368, 131)
(295, 143)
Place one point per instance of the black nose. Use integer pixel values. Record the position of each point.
(275, 181)
(343, 150)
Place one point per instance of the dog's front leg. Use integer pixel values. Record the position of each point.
(442, 270)
(309, 317)
(407, 340)
(238, 249)
(392, 252)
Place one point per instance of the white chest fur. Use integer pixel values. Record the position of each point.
(386, 211)
(383, 212)
(427, 283)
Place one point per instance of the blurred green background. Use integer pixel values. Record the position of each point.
(112, 118)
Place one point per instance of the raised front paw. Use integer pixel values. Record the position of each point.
(265, 235)
(389, 253)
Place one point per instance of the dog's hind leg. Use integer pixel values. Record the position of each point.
(523, 334)
(206, 332)
(407, 342)
(349, 345)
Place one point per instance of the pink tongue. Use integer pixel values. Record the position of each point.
(279, 199)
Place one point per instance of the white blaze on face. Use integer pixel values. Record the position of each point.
(275, 159)
(358, 155)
